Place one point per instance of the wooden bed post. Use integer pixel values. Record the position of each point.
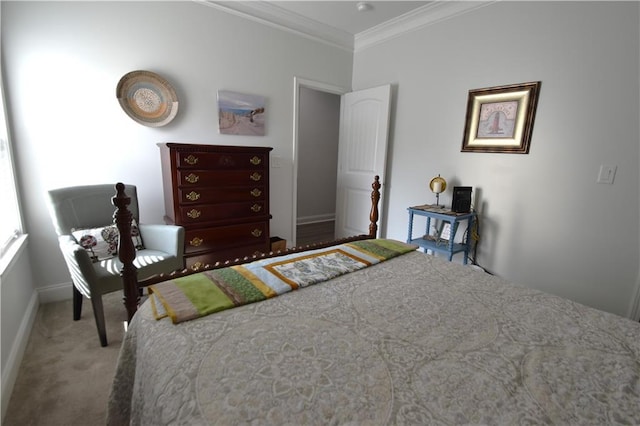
(127, 253)
(126, 250)
(375, 198)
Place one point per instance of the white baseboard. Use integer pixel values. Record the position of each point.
(10, 372)
(634, 308)
(305, 220)
(55, 293)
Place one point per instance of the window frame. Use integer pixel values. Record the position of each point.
(9, 246)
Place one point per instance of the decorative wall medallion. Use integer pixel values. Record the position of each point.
(147, 98)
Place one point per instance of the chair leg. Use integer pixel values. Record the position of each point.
(98, 313)
(77, 304)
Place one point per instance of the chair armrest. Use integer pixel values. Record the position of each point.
(78, 262)
(166, 238)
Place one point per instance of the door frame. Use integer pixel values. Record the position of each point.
(299, 82)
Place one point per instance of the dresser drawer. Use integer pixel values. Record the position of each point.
(220, 194)
(226, 237)
(199, 260)
(202, 213)
(208, 195)
(187, 178)
(220, 160)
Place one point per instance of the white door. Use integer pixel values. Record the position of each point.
(362, 154)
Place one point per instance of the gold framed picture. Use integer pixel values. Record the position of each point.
(500, 119)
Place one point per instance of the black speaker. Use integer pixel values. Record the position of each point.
(461, 199)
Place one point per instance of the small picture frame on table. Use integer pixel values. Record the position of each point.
(500, 119)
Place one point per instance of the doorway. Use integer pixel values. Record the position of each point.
(316, 136)
(363, 130)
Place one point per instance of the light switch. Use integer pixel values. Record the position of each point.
(607, 174)
(276, 162)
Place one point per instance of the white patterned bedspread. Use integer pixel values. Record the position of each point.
(414, 340)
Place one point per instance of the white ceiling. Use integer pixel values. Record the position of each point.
(344, 15)
(340, 23)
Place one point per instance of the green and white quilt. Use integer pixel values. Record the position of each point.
(207, 292)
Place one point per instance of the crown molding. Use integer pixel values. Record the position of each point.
(271, 15)
(429, 14)
(268, 14)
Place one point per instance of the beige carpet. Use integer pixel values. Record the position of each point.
(65, 375)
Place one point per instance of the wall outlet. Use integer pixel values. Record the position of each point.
(607, 174)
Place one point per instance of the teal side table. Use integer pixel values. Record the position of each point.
(435, 243)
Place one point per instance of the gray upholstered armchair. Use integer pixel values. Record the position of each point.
(83, 219)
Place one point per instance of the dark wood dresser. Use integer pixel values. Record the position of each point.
(220, 195)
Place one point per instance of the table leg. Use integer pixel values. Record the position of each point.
(452, 237)
(410, 233)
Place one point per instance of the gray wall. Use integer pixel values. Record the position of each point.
(545, 222)
(63, 61)
(19, 304)
(318, 124)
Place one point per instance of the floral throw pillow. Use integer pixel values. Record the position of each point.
(102, 243)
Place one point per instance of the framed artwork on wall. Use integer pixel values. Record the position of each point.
(241, 114)
(500, 119)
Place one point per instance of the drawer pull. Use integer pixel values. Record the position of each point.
(256, 232)
(256, 208)
(196, 266)
(194, 214)
(193, 196)
(255, 176)
(256, 192)
(191, 178)
(191, 160)
(255, 160)
(196, 241)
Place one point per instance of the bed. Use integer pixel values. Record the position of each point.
(411, 339)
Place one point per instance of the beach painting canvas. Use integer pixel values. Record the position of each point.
(240, 114)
